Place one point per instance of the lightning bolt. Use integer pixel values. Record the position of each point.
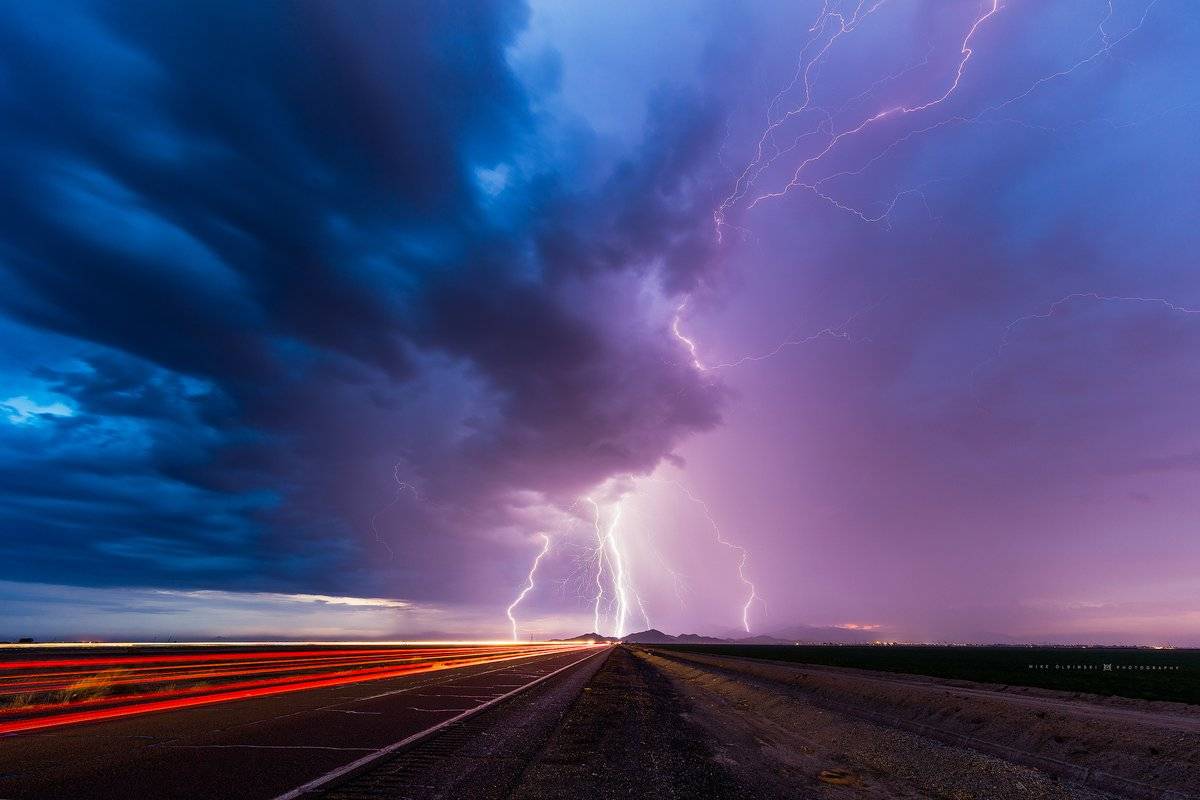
(609, 549)
(1104, 38)
(966, 51)
(599, 559)
(841, 332)
(767, 152)
(1054, 307)
(642, 609)
(620, 582)
(819, 142)
(743, 554)
(802, 75)
(1107, 44)
(830, 27)
(678, 581)
(528, 584)
(1057, 305)
(401, 488)
(687, 342)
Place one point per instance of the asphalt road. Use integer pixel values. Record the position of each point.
(613, 729)
(260, 748)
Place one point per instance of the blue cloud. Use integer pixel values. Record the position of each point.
(264, 253)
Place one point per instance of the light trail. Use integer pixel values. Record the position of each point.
(118, 675)
(528, 584)
(225, 645)
(119, 685)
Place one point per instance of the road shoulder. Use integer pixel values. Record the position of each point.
(629, 735)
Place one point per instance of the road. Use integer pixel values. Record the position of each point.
(604, 723)
(261, 745)
(659, 723)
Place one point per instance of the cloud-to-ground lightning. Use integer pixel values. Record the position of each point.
(743, 554)
(642, 609)
(610, 550)
(528, 584)
(620, 590)
(679, 581)
(598, 555)
(401, 488)
(818, 148)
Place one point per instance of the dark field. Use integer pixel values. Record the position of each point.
(1140, 673)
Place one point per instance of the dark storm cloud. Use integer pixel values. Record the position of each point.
(651, 205)
(262, 229)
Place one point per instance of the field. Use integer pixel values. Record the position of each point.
(1135, 672)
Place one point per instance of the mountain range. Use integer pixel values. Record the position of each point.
(799, 634)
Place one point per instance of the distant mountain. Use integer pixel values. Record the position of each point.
(652, 636)
(584, 637)
(796, 634)
(695, 638)
(760, 639)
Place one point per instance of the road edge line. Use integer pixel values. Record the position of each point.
(322, 780)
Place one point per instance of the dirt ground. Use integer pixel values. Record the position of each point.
(657, 723)
(628, 735)
(783, 725)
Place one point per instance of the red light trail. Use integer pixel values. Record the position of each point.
(40, 693)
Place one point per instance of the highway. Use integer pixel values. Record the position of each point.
(257, 723)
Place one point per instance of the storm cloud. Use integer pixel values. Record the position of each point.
(280, 255)
(314, 299)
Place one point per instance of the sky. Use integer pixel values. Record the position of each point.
(336, 320)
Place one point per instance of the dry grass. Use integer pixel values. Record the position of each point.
(91, 687)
